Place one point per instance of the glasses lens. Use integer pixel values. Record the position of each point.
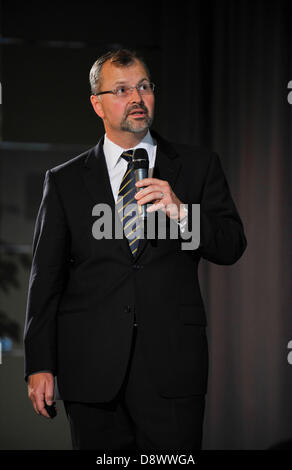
(146, 88)
(122, 91)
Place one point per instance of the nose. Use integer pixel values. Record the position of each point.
(136, 96)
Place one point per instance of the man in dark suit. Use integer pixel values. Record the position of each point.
(119, 323)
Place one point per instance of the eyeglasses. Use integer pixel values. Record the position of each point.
(123, 91)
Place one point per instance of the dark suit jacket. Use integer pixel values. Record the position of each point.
(83, 292)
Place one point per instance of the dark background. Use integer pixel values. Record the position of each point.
(221, 70)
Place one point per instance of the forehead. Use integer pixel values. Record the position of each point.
(112, 73)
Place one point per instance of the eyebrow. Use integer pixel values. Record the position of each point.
(124, 81)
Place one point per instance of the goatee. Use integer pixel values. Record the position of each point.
(138, 125)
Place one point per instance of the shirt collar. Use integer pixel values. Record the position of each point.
(113, 151)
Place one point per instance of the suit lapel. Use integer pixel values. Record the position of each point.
(96, 176)
(96, 179)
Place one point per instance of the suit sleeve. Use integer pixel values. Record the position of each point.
(51, 249)
(222, 238)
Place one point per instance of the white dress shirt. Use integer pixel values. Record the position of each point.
(117, 165)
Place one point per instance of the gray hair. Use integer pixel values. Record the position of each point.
(121, 58)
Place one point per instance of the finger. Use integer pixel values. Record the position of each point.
(156, 207)
(35, 406)
(156, 195)
(143, 192)
(40, 409)
(44, 413)
(40, 405)
(49, 392)
(147, 181)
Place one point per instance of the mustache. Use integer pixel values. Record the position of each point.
(137, 106)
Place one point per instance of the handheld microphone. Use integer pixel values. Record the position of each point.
(141, 167)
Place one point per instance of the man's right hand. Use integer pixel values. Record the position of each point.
(41, 389)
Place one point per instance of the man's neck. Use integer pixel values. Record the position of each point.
(128, 139)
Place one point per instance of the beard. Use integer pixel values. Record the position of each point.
(138, 125)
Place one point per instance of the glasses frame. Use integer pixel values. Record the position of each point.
(130, 88)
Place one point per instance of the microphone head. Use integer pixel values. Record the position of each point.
(140, 159)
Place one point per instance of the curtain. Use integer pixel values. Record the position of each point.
(225, 70)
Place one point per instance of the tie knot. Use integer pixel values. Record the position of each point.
(128, 155)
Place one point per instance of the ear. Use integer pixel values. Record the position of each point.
(97, 105)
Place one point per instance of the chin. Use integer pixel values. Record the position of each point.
(138, 128)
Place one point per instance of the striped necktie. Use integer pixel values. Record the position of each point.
(127, 206)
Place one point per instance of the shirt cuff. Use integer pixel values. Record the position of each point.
(39, 371)
(183, 223)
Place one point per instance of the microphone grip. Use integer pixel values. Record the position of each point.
(140, 174)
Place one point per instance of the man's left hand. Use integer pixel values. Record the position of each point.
(161, 195)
